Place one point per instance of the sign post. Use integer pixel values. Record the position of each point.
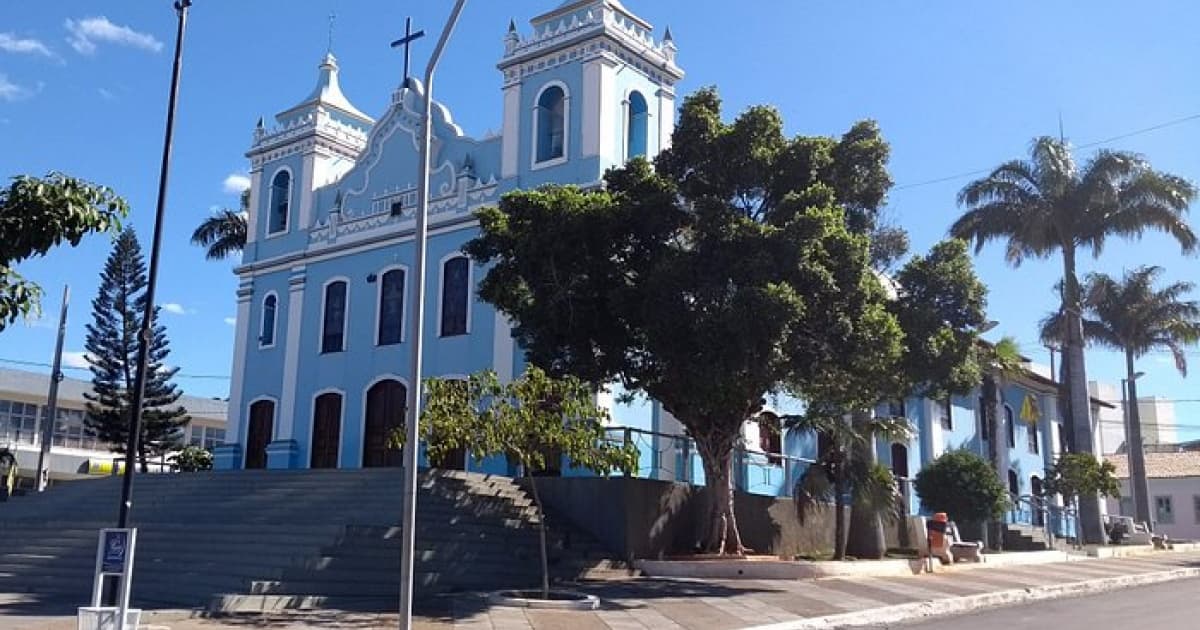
(114, 558)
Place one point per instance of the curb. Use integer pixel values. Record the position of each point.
(958, 605)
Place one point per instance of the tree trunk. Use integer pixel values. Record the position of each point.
(723, 535)
(143, 460)
(865, 539)
(1080, 420)
(537, 500)
(1138, 483)
(839, 517)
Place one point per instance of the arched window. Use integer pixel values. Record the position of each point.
(391, 308)
(266, 333)
(456, 280)
(551, 115)
(1010, 427)
(899, 460)
(637, 134)
(281, 192)
(333, 324)
(770, 438)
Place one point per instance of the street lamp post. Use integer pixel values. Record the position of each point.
(409, 516)
(146, 334)
(1135, 455)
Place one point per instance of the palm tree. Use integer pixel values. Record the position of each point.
(1048, 205)
(1132, 316)
(224, 233)
(840, 472)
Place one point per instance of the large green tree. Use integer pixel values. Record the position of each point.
(112, 349)
(39, 213)
(1133, 316)
(224, 233)
(1049, 205)
(724, 271)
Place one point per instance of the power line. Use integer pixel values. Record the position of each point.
(83, 369)
(1163, 125)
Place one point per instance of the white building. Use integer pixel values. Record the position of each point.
(74, 452)
(1157, 417)
(1174, 480)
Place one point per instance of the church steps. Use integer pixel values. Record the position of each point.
(288, 538)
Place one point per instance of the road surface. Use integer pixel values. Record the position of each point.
(1167, 606)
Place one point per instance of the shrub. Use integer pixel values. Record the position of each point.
(963, 485)
(193, 459)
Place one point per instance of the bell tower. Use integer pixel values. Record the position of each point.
(590, 88)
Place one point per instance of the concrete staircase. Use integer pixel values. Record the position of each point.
(1019, 537)
(268, 540)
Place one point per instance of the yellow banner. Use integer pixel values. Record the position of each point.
(1031, 412)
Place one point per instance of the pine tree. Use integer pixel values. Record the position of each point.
(112, 347)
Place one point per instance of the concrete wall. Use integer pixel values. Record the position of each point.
(645, 518)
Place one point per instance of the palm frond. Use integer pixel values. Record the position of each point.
(223, 234)
(875, 490)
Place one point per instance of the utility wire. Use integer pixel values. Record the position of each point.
(1088, 145)
(76, 368)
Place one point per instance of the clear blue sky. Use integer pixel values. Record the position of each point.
(956, 86)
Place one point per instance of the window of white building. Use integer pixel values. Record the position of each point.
(18, 422)
(1164, 512)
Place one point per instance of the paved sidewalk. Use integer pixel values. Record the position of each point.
(679, 604)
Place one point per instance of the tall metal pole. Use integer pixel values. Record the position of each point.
(409, 516)
(51, 416)
(1133, 487)
(146, 334)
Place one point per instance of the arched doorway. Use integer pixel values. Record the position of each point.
(259, 433)
(387, 402)
(1035, 488)
(327, 430)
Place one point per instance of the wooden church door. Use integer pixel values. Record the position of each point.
(386, 404)
(262, 416)
(327, 430)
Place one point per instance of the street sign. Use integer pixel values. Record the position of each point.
(115, 547)
(114, 557)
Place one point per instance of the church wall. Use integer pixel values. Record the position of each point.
(263, 374)
(295, 238)
(575, 169)
(1025, 463)
(626, 82)
(363, 362)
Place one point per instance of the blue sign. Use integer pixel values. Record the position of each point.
(115, 551)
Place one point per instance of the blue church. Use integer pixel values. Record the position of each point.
(323, 302)
(324, 294)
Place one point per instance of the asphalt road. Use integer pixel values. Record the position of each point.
(1167, 606)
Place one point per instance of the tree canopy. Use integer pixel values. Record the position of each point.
(37, 214)
(720, 273)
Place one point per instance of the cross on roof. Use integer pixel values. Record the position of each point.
(406, 42)
(332, 18)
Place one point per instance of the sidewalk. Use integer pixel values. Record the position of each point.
(709, 604)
